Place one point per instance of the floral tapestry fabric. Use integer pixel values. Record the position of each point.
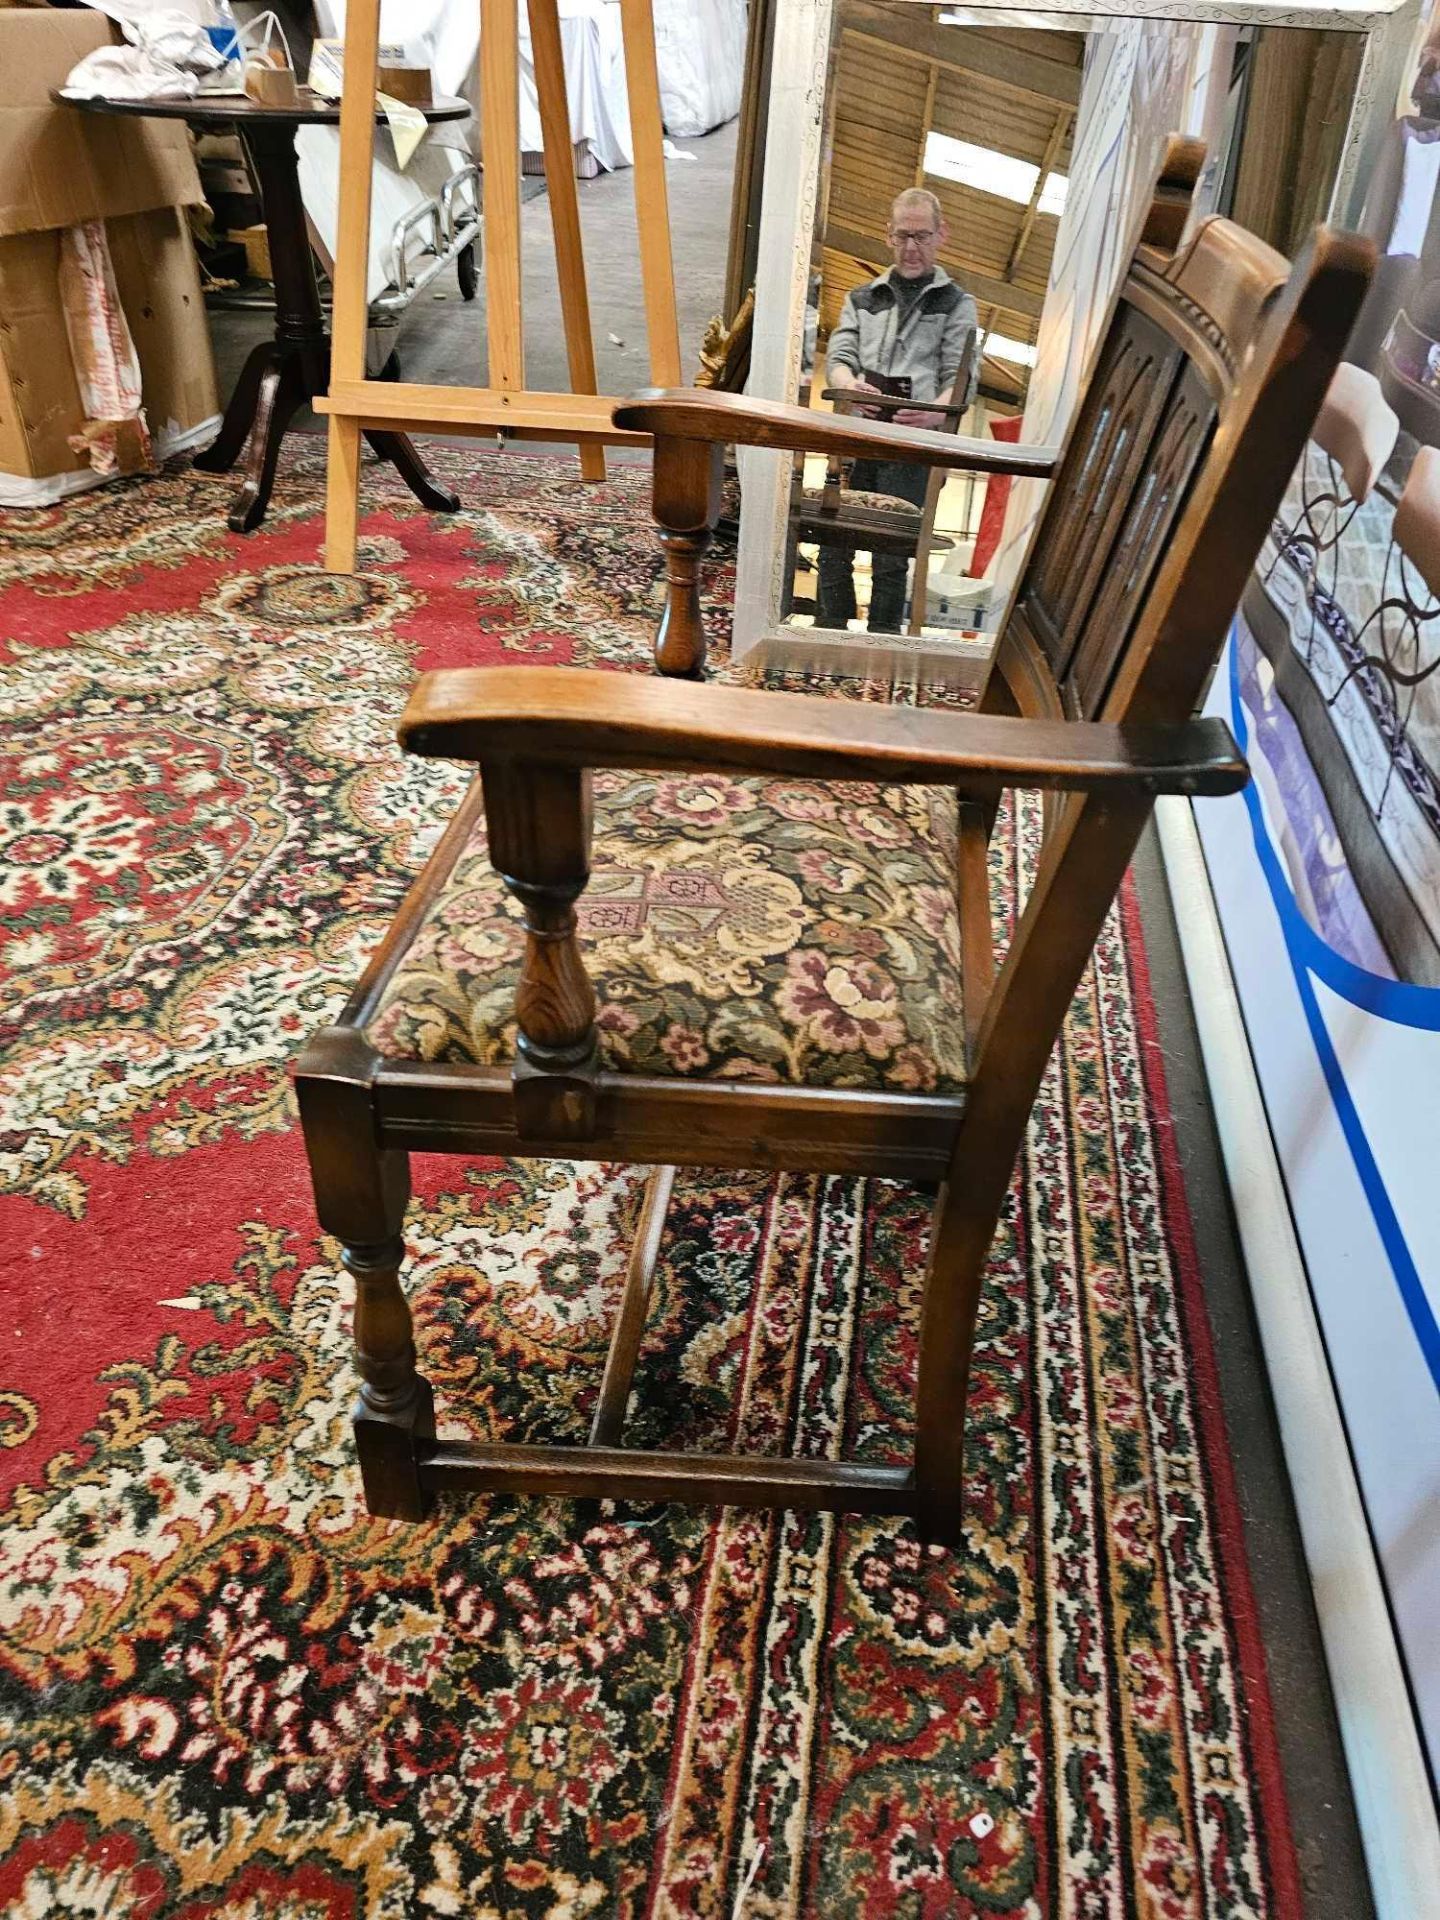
(864, 497)
(772, 930)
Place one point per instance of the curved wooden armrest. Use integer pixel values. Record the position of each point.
(684, 413)
(565, 716)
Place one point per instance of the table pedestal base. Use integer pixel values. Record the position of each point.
(269, 393)
(294, 368)
(285, 373)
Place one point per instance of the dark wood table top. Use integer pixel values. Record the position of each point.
(229, 109)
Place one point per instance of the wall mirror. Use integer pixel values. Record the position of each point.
(949, 194)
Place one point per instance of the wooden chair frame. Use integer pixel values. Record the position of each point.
(1125, 602)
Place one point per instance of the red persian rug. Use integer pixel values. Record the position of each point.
(224, 1690)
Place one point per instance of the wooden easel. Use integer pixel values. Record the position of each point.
(355, 404)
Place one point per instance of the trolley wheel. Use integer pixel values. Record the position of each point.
(465, 267)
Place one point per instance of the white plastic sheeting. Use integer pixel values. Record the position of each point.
(699, 46)
(700, 49)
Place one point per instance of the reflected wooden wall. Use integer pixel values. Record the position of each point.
(1297, 106)
(898, 75)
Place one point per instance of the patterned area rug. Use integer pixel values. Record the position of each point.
(224, 1690)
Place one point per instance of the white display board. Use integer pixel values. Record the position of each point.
(1326, 872)
(1349, 1066)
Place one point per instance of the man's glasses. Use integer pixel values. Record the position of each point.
(913, 239)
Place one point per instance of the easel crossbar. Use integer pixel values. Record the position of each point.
(404, 408)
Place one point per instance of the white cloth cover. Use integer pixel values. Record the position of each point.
(437, 34)
(595, 85)
(700, 51)
(1420, 171)
(699, 45)
(393, 193)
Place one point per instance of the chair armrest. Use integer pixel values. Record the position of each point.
(565, 716)
(683, 413)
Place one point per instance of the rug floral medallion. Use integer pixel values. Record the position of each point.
(224, 1689)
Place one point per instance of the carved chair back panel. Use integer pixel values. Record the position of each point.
(1165, 370)
(1104, 466)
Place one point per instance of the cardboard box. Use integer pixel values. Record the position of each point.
(61, 166)
(159, 286)
(256, 242)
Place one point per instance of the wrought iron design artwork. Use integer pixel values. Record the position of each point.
(1400, 641)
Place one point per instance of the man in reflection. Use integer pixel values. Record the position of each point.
(911, 332)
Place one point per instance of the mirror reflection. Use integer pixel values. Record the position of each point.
(946, 167)
(978, 187)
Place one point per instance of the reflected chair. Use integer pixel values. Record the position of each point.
(1410, 364)
(724, 1000)
(855, 519)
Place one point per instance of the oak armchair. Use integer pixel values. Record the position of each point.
(746, 990)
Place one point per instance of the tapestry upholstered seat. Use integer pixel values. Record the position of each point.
(768, 930)
(905, 511)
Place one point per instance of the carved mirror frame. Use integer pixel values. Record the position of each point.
(790, 192)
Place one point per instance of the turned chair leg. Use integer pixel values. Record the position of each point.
(687, 504)
(395, 1408)
(361, 1193)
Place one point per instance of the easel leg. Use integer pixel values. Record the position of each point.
(342, 495)
(500, 138)
(348, 324)
(565, 213)
(652, 203)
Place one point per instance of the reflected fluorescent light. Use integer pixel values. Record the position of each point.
(990, 172)
(1031, 21)
(998, 346)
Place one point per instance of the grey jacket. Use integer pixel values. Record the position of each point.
(936, 341)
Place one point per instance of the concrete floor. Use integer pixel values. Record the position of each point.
(443, 341)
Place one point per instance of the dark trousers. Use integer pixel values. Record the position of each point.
(835, 605)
